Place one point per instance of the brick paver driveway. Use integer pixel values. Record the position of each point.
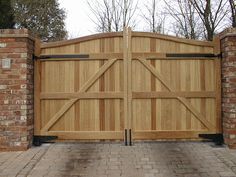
(159, 159)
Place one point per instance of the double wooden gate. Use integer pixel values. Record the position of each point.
(156, 86)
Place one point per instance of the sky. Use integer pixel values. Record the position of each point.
(79, 18)
(78, 22)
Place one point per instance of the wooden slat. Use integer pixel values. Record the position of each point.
(198, 115)
(37, 47)
(218, 94)
(125, 64)
(168, 134)
(129, 73)
(82, 95)
(84, 88)
(86, 135)
(37, 90)
(174, 94)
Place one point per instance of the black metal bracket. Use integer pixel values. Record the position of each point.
(218, 139)
(220, 55)
(35, 57)
(126, 137)
(130, 137)
(38, 140)
(191, 55)
(66, 56)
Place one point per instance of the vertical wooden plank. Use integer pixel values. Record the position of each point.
(125, 61)
(69, 118)
(37, 101)
(158, 101)
(203, 88)
(37, 47)
(102, 89)
(129, 73)
(216, 42)
(218, 94)
(217, 67)
(173, 80)
(127, 77)
(188, 88)
(153, 86)
(177, 113)
(102, 101)
(111, 86)
(76, 88)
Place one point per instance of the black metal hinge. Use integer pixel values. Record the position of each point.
(192, 55)
(38, 140)
(128, 137)
(218, 138)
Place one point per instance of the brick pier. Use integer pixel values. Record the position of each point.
(16, 89)
(228, 49)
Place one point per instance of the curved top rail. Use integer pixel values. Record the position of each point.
(81, 39)
(172, 38)
(134, 34)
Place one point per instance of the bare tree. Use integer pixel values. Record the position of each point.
(154, 17)
(212, 13)
(113, 15)
(233, 12)
(186, 22)
(103, 16)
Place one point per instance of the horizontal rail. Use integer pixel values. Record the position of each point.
(186, 94)
(81, 95)
(120, 95)
(174, 56)
(168, 134)
(94, 56)
(86, 135)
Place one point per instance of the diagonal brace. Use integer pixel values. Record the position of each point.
(84, 88)
(183, 100)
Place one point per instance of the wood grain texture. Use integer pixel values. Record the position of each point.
(156, 96)
(37, 90)
(84, 88)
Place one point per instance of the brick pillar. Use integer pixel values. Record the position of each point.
(228, 48)
(16, 89)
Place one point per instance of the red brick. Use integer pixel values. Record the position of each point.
(17, 93)
(7, 39)
(228, 48)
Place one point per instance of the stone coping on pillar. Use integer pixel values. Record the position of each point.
(16, 33)
(227, 33)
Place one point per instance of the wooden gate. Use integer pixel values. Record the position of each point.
(157, 86)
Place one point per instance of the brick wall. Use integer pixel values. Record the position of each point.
(228, 48)
(16, 90)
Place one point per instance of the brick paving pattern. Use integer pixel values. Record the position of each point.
(149, 159)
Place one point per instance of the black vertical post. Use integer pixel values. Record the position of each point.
(126, 138)
(130, 137)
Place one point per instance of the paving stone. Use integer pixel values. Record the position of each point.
(159, 159)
